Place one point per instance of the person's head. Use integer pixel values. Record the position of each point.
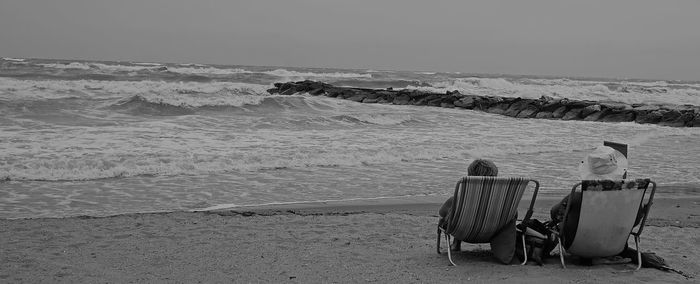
(603, 163)
(482, 167)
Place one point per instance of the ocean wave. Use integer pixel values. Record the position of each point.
(625, 92)
(208, 70)
(128, 165)
(378, 119)
(296, 74)
(13, 59)
(96, 66)
(193, 94)
(72, 65)
(183, 103)
(126, 68)
(140, 105)
(147, 63)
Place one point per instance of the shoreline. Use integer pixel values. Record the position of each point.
(665, 193)
(346, 242)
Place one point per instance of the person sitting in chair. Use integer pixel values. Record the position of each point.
(479, 167)
(603, 163)
(606, 167)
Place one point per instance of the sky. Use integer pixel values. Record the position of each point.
(645, 39)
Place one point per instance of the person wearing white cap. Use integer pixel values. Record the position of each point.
(603, 163)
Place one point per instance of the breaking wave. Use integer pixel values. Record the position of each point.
(625, 92)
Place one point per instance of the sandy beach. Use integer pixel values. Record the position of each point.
(383, 241)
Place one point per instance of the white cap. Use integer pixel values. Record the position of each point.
(604, 163)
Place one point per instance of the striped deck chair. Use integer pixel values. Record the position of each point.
(483, 206)
(601, 217)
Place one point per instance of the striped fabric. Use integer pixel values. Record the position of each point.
(483, 205)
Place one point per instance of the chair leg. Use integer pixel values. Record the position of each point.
(449, 250)
(561, 254)
(524, 250)
(438, 239)
(639, 252)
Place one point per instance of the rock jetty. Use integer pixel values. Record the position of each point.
(544, 108)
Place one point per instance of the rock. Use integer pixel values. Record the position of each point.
(595, 116)
(402, 99)
(544, 115)
(551, 106)
(466, 102)
(333, 92)
(586, 111)
(615, 106)
(515, 107)
(498, 108)
(288, 92)
(385, 100)
(649, 116)
(435, 102)
(285, 86)
(696, 121)
(522, 108)
(447, 105)
(371, 95)
(676, 118)
(576, 104)
(646, 108)
(559, 112)
(484, 103)
(573, 114)
(619, 116)
(546, 107)
(546, 99)
(421, 94)
(358, 97)
(317, 92)
(528, 112)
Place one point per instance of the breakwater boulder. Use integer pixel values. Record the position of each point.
(543, 108)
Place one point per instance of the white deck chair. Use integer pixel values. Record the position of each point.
(606, 220)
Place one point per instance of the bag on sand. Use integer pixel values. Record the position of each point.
(540, 240)
(651, 260)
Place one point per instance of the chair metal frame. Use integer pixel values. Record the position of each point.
(461, 185)
(643, 208)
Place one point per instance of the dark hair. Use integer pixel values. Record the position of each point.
(481, 167)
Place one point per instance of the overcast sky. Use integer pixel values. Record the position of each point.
(653, 39)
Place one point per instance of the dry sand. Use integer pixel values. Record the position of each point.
(383, 241)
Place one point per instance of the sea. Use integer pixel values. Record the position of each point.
(100, 138)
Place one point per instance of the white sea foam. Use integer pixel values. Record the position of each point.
(208, 70)
(119, 162)
(13, 59)
(122, 68)
(147, 63)
(176, 93)
(72, 65)
(295, 74)
(629, 92)
(383, 119)
(283, 73)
